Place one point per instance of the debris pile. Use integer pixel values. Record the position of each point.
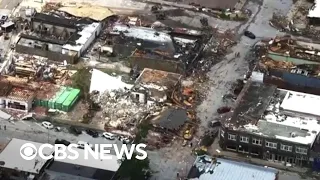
(184, 97)
(119, 110)
(279, 21)
(39, 69)
(269, 63)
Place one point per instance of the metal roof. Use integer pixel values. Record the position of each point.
(208, 168)
(11, 159)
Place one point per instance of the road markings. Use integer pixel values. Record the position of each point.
(40, 126)
(26, 123)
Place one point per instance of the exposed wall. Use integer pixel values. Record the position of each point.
(27, 104)
(296, 79)
(56, 56)
(297, 61)
(58, 29)
(159, 64)
(93, 36)
(84, 41)
(285, 85)
(262, 149)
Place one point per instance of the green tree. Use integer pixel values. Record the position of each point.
(143, 129)
(134, 169)
(81, 80)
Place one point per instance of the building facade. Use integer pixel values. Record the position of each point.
(265, 147)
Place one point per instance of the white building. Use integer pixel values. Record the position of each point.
(86, 36)
(83, 169)
(12, 163)
(15, 98)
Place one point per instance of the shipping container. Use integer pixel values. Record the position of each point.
(52, 101)
(70, 101)
(36, 102)
(62, 98)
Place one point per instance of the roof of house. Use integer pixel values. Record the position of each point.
(106, 164)
(301, 102)
(21, 94)
(208, 168)
(314, 12)
(157, 78)
(10, 157)
(252, 102)
(80, 171)
(272, 113)
(171, 119)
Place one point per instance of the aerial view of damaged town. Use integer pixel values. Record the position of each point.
(160, 90)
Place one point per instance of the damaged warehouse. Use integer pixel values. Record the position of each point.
(173, 51)
(58, 38)
(291, 64)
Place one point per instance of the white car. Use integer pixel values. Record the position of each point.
(81, 144)
(47, 125)
(126, 140)
(108, 135)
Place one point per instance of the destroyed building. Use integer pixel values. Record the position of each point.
(291, 64)
(171, 50)
(215, 4)
(22, 95)
(15, 98)
(119, 108)
(314, 13)
(58, 38)
(155, 85)
(273, 124)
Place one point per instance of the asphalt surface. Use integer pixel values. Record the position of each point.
(34, 131)
(9, 4)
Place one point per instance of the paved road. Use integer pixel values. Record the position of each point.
(33, 131)
(222, 75)
(9, 4)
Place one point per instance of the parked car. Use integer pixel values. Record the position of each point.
(62, 141)
(215, 123)
(124, 140)
(3, 17)
(92, 133)
(75, 130)
(81, 144)
(58, 129)
(47, 125)
(249, 35)
(108, 135)
(223, 109)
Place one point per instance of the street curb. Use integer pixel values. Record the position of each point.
(69, 123)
